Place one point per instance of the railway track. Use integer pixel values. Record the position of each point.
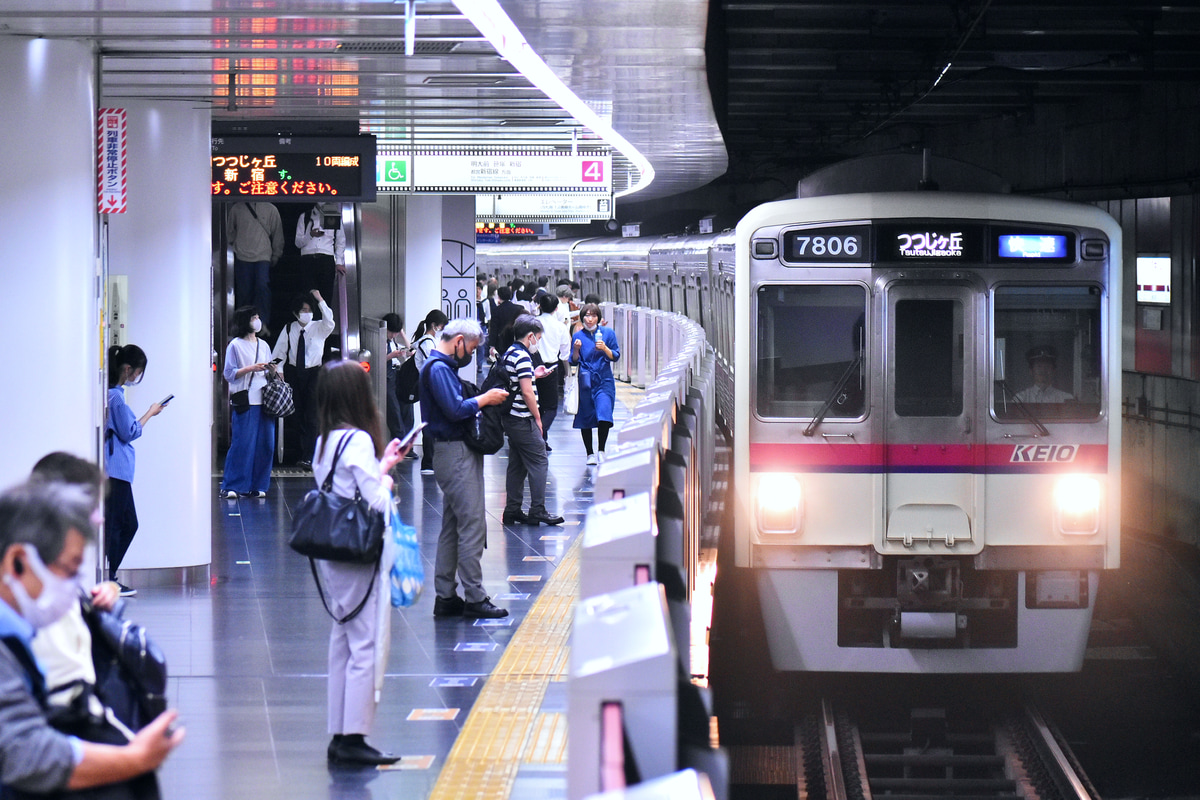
(998, 756)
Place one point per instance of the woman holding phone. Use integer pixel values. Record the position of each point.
(594, 348)
(126, 365)
(351, 448)
(252, 440)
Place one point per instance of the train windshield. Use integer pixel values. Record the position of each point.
(1047, 352)
(809, 340)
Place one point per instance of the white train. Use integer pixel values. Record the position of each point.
(923, 391)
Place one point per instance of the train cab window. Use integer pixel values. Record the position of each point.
(1046, 356)
(811, 343)
(929, 358)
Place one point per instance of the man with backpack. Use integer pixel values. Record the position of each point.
(458, 470)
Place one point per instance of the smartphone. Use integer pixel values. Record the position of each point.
(166, 399)
(411, 435)
(276, 360)
(551, 367)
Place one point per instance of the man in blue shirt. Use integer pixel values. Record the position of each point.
(459, 473)
(43, 534)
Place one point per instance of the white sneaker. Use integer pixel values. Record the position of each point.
(600, 456)
(230, 495)
(591, 460)
(260, 495)
(427, 472)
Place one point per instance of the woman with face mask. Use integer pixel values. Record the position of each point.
(299, 348)
(126, 365)
(594, 348)
(252, 439)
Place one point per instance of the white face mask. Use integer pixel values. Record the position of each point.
(256, 324)
(55, 599)
(305, 317)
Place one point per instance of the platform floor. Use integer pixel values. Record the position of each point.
(247, 653)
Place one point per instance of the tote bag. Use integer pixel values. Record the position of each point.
(571, 393)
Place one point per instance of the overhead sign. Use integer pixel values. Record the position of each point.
(512, 230)
(393, 172)
(543, 207)
(112, 159)
(494, 171)
(294, 168)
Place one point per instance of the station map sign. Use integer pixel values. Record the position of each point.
(294, 168)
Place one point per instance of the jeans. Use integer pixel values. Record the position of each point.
(251, 451)
(252, 286)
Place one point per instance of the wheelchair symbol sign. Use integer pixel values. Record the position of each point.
(392, 171)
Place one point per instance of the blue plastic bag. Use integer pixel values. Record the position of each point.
(407, 574)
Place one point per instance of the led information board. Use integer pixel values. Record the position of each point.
(843, 243)
(930, 241)
(294, 168)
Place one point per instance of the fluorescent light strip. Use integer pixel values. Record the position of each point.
(496, 26)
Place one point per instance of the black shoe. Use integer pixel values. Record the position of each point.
(354, 750)
(516, 518)
(334, 743)
(549, 449)
(124, 590)
(546, 519)
(448, 606)
(483, 610)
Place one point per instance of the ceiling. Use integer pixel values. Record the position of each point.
(794, 85)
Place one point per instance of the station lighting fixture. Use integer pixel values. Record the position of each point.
(780, 503)
(1077, 504)
(496, 26)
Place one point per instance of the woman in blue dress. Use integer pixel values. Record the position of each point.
(594, 349)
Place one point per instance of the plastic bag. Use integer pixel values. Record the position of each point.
(407, 574)
(571, 394)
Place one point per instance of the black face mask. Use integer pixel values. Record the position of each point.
(464, 360)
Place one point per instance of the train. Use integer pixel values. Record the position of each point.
(922, 390)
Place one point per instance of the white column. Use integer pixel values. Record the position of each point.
(163, 245)
(458, 255)
(53, 396)
(422, 252)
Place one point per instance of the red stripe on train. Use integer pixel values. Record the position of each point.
(851, 456)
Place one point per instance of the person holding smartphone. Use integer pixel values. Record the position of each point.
(126, 365)
(594, 348)
(322, 250)
(252, 440)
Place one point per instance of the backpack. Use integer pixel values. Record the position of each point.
(408, 376)
(486, 434)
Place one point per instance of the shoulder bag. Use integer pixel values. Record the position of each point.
(131, 670)
(335, 528)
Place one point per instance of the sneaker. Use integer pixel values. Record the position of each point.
(426, 470)
(483, 610)
(448, 606)
(258, 495)
(230, 495)
(600, 456)
(304, 463)
(591, 460)
(125, 590)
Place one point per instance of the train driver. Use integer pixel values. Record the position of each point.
(1043, 363)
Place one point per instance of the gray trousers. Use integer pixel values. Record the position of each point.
(351, 646)
(526, 458)
(459, 473)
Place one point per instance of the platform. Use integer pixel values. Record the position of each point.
(247, 655)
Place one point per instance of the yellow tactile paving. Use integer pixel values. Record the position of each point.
(505, 728)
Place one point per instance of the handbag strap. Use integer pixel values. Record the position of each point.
(312, 564)
(327, 484)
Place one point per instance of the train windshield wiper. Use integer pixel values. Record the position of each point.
(1024, 409)
(833, 396)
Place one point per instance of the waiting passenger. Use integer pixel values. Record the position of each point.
(523, 426)
(126, 365)
(459, 471)
(554, 348)
(1043, 363)
(427, 334)
(352, 447)
(504, 315)
(594, 348)
(42, 544)
(399, 349)
(300, 347)
(252, 438)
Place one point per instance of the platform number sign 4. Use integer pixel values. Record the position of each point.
(593, 171)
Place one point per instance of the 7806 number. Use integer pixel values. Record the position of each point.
(826, 246)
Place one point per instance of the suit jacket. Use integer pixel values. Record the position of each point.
(499, 331)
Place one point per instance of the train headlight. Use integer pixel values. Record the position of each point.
(780, 503)
(1077, 504)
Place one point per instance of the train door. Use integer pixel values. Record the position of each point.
(933, 458)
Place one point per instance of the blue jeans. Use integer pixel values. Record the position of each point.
(252, 286)
(251, 452)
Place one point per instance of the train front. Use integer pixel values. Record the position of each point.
(927, 447)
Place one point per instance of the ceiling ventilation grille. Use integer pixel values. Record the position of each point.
(420, 48)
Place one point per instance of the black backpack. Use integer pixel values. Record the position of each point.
(486, 434)
(408, 381)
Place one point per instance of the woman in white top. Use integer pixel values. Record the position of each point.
(554, 349)
(252, 440)
(351, 433)
(300, 347)
(322, 251)
(425, 340)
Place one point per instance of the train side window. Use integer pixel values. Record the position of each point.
(810, 342)
(1046, 354)
(929, 358)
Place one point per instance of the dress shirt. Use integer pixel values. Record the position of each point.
(443, 406)
(556, 339)
(122, 428)
(331, 243)
(315, 333)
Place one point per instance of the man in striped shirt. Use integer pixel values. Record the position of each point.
(526, 447)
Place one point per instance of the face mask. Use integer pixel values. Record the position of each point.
(57, 593)
(591, 326)
(256, 325)
(305, 317)
(463, 360)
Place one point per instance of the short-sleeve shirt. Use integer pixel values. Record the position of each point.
(518, 364)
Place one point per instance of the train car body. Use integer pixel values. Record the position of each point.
(923, 394)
